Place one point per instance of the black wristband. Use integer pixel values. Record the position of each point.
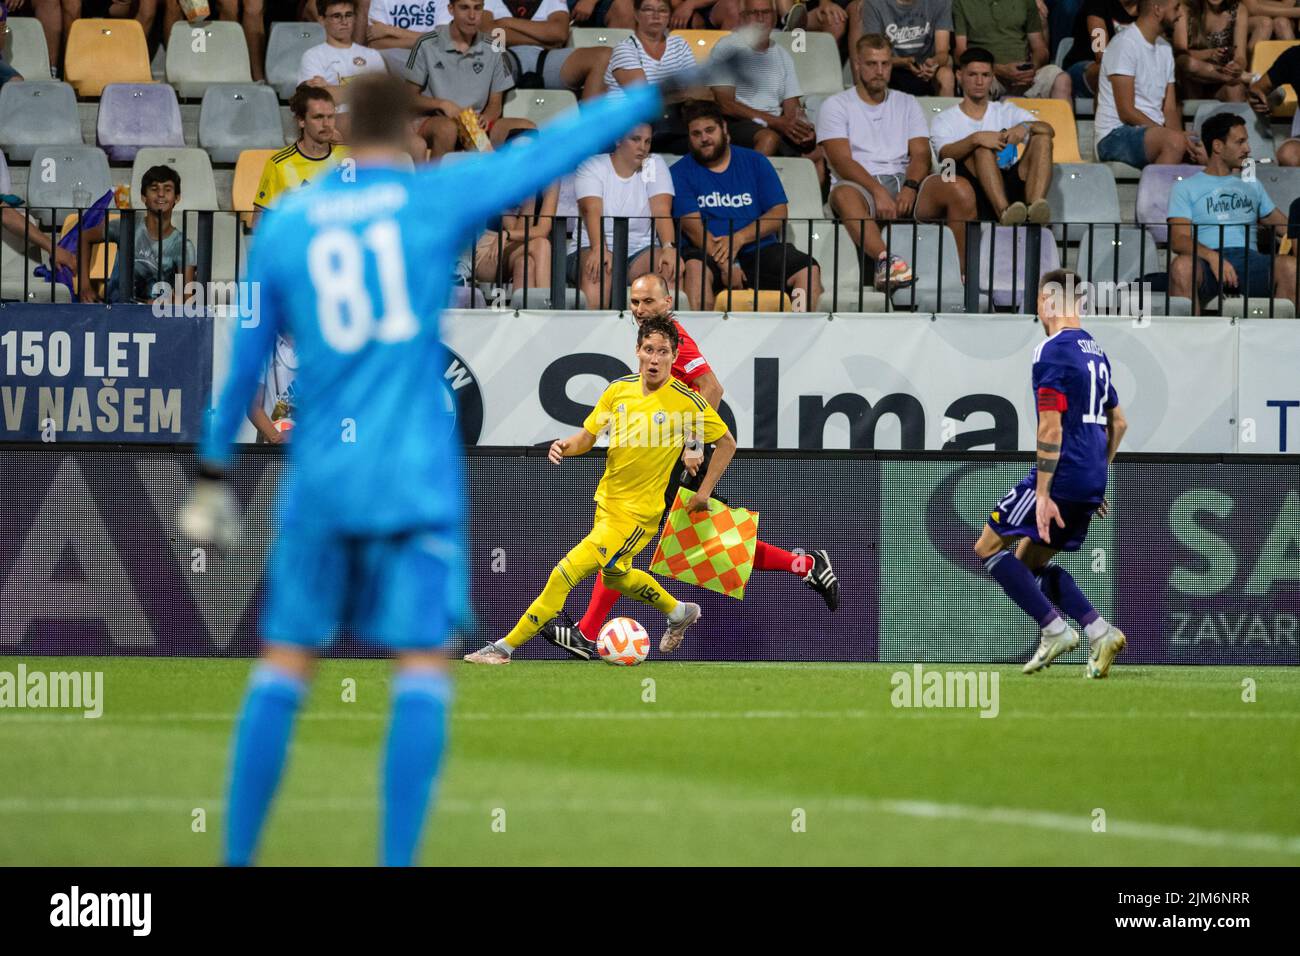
(911, 183)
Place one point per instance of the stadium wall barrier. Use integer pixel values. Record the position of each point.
(1199, 560)
(898, 381)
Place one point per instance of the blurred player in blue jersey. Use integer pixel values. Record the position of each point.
(1080, 426)
(372, 511)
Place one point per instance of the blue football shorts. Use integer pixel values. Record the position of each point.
(1016, 516)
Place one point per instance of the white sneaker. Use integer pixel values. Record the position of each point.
(1050, 648)
(1104, 651)
(672, 638)
(488, 655)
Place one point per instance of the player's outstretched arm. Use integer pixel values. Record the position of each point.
(1050, 433)
(579, 443)
(724, 450)
(476, 189)
(1116, 426)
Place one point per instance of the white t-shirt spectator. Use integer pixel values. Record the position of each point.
(337, 65)
(770, 79)
(878, 135)
(631, 55)
(419, 16)
(629, 197)
(954, 125)
(1152, 67)
(278, 397)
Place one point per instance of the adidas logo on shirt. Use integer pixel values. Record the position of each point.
(716, 199)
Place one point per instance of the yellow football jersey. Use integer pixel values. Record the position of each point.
(290, 169)
(646, 437)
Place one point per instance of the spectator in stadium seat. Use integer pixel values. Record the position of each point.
(330, 65)
(536, 34)
(1272, 19)
(455, 68)
(273, 402)
(316, 151)
(878, 146)
(518, 240)
(704, 15)
(634, 183)
(649, 55)
(1265, 92)
(603, 13)
(1138, 118)
(1013, 31)
(21, 225)
(1224, 207)
(820, 16)
(162, 252)
(981, 136)
(1097, 22)
(733, 211)
(247, 13)
(397, 24)
(920, 32)
(1210, 50)
(764, 114)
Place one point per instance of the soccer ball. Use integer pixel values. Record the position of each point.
(623, 641)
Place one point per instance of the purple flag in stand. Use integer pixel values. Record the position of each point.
(91, 218)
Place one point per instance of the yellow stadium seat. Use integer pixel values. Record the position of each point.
(1266, 54)
(103, 256)
(701, 42)
(248, 173)
(742, 300)
(100, 52)
(1065, 144)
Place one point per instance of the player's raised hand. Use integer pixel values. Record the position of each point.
(1047, 512)
(210, 515)
(558, 447)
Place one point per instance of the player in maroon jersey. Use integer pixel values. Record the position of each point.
(651, 299)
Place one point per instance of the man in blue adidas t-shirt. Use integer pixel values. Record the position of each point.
(733, 213)
(1080, 426)
(1224, 204)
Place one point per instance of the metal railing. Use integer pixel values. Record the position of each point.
(1130, 281)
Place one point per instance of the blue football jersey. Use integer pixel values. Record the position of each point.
(357, 268)
(1072, 363)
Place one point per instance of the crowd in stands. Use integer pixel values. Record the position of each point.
(714, 220)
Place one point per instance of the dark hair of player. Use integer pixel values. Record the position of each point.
(976, 54)
(381, 108)
(662, 327)
(303, 96)
(326, 4)
(702, 109)
(1217, 127)
(1063, 279)
(160, 174)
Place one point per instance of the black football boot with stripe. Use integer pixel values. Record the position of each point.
(821, 578)
(563, 632)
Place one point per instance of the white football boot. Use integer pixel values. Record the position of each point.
(672, 638)
(1050, 648)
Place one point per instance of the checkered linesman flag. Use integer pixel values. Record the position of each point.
(713, 549)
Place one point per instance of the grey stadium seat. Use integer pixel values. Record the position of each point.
(25, 49)
(932, 251)
(1282, 183)
(597, 36)
(540, 106)
(239, 116)
(284, 49)
(799, 177)
(198, 188)
(222, 59)
(76, 169)
(1114, 256)
(34, 114)
(817, 65)
(1082, 193)
(1008, 262)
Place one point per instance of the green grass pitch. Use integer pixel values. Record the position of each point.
(566, 763)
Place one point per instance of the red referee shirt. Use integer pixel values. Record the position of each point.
(690, 364)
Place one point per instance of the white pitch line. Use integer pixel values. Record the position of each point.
(1076, 825)
(650, 713)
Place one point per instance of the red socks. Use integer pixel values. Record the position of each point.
(603, 599)
(769, 558)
